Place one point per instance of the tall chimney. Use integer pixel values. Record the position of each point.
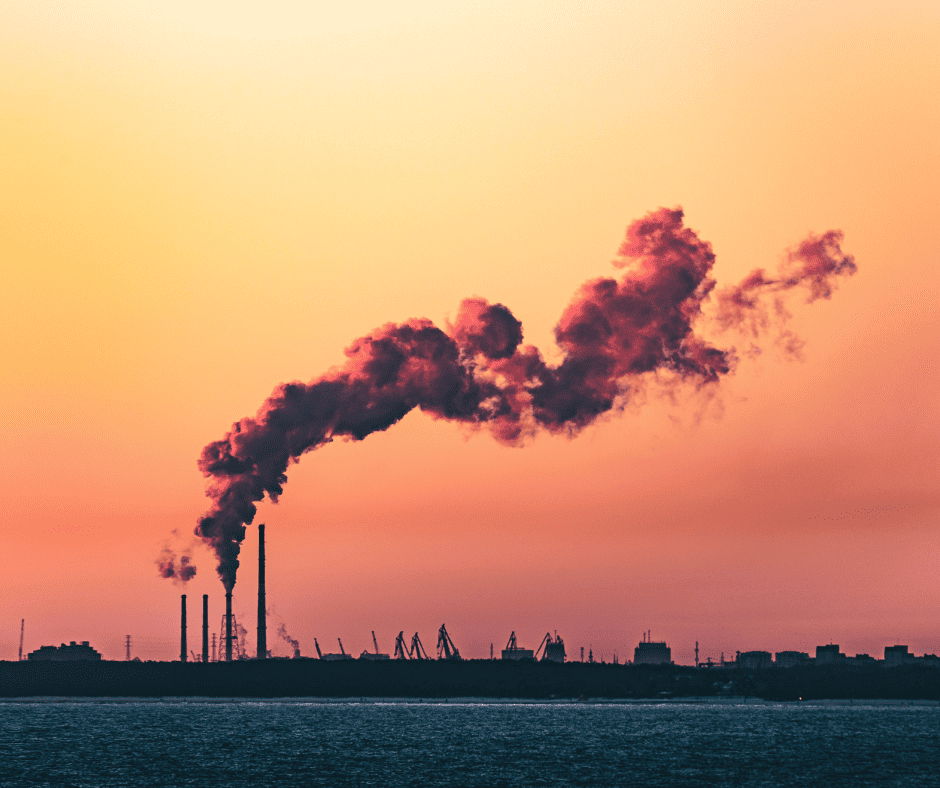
(183, 629)
(228, 626)
(262, 609)
(205, 627)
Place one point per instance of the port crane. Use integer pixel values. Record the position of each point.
(546, 641)
(445, 646)
(401, 651)
(332, 657)
(514, 651)
(373, 654)
(417, 649)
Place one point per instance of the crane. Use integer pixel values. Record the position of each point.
(417, 649)
(445, 646)
(514, 651)
(341, 649)
(401, 651)
(373, 655)
(547, 640)
(317, 646)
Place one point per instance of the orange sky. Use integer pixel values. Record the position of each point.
(201, 200)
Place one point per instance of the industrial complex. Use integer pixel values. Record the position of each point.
(230, 646)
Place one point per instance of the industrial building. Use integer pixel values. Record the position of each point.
(829, 655)
(649, 653)
(554, 648)
(64, 653)
(514, 651)
(755, 660)
(897, 655)
(551, 649)
(791, 659)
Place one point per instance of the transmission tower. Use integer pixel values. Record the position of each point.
(237, 645)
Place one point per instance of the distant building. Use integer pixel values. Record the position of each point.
(63, 653)
(829, 655)
(755, 660)
(791, 659)
(647, 653)
(554, 651)
(514, 651)
(896, 656)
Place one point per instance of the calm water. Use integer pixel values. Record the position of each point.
(304, 743)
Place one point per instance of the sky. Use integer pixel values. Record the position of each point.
(202, 200)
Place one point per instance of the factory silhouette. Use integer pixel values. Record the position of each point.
(230, 646)
(224, 668)
(551, 649)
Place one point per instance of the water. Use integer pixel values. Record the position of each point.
(334, 743)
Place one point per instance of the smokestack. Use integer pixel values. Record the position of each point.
(205, 627)
(228, 626)
(262, 610)
(183, 629)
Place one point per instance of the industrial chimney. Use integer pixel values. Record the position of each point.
(183, 629)
(228, 626)
(262, 609)
(205, 627)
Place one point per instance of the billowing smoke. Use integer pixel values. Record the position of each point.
(283, 635)
(178, 567)
(614, 334)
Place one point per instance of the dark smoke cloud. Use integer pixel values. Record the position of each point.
(613, 335)
(179, 568)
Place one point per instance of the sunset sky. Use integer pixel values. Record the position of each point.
(201, 200)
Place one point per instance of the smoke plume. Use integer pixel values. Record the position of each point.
(241, 635)
(179, 568)
(614, 334)
(282, 634)
(814, 265)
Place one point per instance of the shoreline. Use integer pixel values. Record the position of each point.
(468, 701)
(436, 681)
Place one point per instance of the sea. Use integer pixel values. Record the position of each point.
(466, 742)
